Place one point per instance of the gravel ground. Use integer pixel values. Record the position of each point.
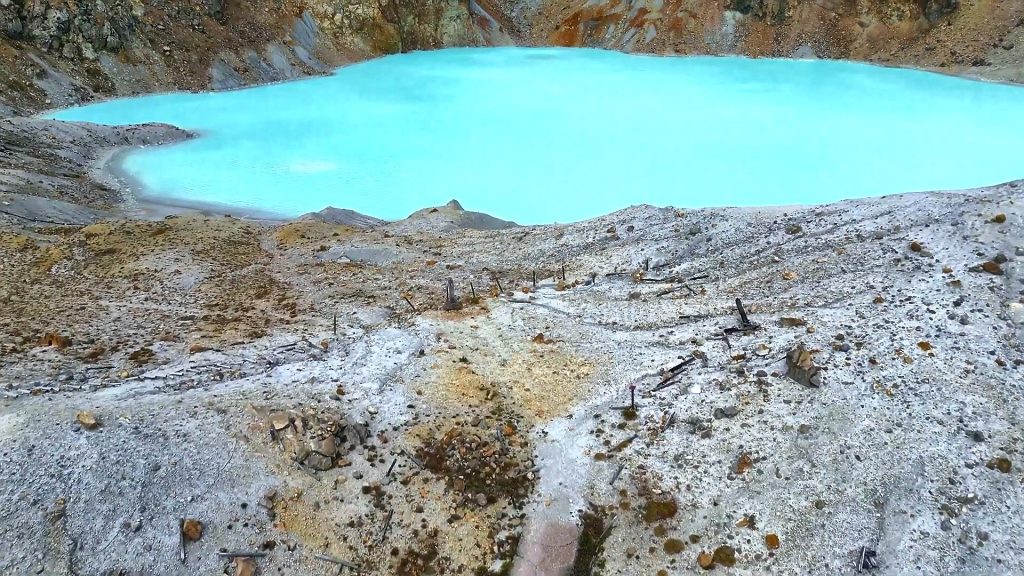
(483, 438)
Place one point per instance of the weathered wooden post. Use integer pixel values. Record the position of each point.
(451, 300)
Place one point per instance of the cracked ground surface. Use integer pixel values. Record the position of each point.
(298, 389)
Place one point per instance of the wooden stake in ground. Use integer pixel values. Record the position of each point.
(451, 300)
(409, 302)
(181, 538)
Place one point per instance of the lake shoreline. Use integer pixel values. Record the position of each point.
(302, 161)
(141, 205)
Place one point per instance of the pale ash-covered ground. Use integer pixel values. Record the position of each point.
(191, 338)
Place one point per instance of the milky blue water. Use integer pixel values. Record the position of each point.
(544, 135)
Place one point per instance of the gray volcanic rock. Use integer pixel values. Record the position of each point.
(449, 217)
(332, 215)
(33, 209)
(56, 160)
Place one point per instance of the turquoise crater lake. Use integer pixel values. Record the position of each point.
(545, 135)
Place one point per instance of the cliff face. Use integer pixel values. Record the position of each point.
(59, 52)
(930, 33)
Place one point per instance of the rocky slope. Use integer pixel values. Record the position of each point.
(307, 389)
(48, 169)
(55, 53)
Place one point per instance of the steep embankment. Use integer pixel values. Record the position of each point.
(56, 53)
(928, 33)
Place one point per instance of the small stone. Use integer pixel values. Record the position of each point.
(1000, 258)
(762, 349)
(481, 499)
(245, 567)
(280, 421)
(790, 322)
(879, 300)
(55, 340)
(804, 428)
(789, 275)
(192, 530)
(801, 367)
(915, 247)
(371, 410)
(964, 320)
(744, 463)
(924, 345)
(976, 435)
(88, 420)
(794, 229)
(705, 561)
(1002, 464)
(725, 555)
(946, 525)
(999, 218)
(772, 541)
(991, 267)
(819, 504)
(673, 546)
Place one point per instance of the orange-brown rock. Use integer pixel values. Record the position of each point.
(192, 529)
(55, 340)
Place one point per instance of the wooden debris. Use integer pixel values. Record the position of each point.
(411, 305)
(616, 475)
(338, 561)
(181, 539)
(866, 560)
(241, 554)
(745, 324)
(387, 525)
(801, 367)
(669, 377)
(412, 459)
